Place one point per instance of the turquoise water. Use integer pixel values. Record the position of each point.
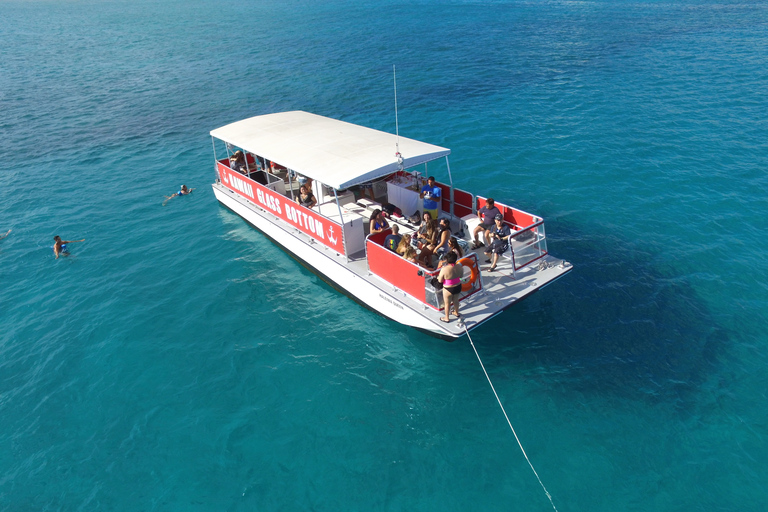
(178, 360)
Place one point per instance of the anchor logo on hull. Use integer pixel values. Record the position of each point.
(331, 238)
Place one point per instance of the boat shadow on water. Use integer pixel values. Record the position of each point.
(620, 323)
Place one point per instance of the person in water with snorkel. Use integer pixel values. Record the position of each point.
(60, 246)
(182, 192)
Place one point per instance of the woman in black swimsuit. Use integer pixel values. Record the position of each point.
(306, 198)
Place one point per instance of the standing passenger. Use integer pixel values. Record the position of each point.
(450, 275)
(431, 194)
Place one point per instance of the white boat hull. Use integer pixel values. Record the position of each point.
(328, 263)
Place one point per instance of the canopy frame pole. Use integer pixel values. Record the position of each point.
(290, 173)
(215, 160)
(450, 179)
(341, 223)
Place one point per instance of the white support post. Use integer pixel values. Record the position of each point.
(341, 222)
(450, 178)
(215, 160)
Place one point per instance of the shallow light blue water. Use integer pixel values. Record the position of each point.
(178, 360)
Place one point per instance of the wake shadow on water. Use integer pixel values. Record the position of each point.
(620, 323)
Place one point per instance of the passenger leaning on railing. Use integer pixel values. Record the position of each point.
(237, 162)
(305, 197)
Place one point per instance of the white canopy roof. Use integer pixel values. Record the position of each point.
(333, 152)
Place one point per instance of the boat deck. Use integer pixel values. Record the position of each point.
(501, 288)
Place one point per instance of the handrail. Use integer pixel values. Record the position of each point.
(538, 238)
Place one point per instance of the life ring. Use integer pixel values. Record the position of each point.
(470, 263)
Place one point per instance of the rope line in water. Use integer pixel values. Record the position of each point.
(509, 422)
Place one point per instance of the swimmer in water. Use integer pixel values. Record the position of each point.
(5, 235)
(60, 246)
(182, 192)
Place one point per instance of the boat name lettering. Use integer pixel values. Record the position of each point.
(269, 201)
(302, 219)
(241, 185)
(397, 305)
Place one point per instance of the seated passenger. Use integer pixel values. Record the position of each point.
(410, 255)
(425, 218)
(499, 241)
(237, 162)
(443, 236)
(393, 240)
(405, 242)
(486, 214)
(427, 241)
(454, 247)
(422, 235)
(305, 197)
(378, 222)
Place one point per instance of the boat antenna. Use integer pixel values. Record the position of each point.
(397, 126)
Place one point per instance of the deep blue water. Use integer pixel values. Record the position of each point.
(178, 360)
